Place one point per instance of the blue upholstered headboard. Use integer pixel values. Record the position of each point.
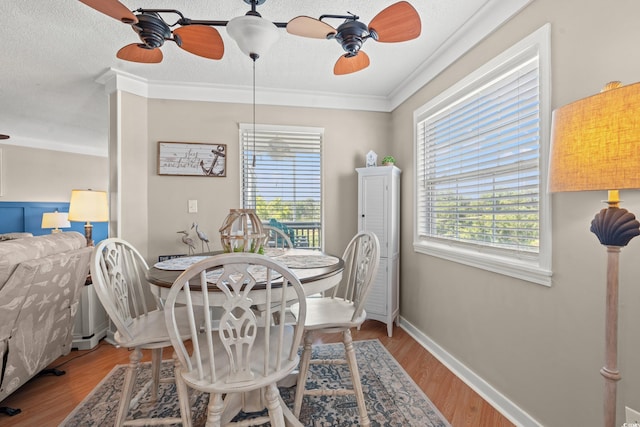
(27, 217)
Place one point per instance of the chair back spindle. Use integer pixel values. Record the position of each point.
(120, 283)
(241, 350)
(361, 259)
(276, 238)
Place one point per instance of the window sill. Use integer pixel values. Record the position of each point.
(522, 269)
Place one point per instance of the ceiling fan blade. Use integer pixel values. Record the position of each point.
(350, 64)
(397, 23)
(305, 26)
(201, 40)
(112, 8)
(136, 52)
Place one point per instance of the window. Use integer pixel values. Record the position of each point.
(282, 179)
(481, 156)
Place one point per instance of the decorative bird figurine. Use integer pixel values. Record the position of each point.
(203, 237)
(188, 241)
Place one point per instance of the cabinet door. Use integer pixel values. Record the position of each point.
(374, 208)
(376, 304)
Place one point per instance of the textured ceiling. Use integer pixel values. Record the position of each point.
(53, 52)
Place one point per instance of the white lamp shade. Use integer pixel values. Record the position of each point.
(55, 220)
(88, 206)
(253, 34)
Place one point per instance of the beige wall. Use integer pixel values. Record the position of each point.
(348, 136)
(35, 175)
(541, 347)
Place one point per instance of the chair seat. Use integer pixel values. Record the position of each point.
(150, 331)
(222, 366)
(329, 313)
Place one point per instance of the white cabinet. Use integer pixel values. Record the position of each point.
(91, 322)
(379, 212)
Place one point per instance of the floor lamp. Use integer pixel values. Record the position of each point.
(88, 206)
(595, 145)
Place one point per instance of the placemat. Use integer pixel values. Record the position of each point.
(274, 252)
(176, 264)
(259, 273)
(312, 260)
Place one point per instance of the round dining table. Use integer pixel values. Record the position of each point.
(317, 270)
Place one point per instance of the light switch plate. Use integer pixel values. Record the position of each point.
(193, 206)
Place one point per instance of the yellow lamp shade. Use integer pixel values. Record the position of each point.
(88, 206)
(595, 142)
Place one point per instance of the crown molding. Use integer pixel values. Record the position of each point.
(53, 145)
(114, 79)
(489, 17)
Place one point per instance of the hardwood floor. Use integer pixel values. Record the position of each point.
(45, 401)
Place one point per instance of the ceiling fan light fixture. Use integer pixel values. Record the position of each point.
(152, 30)
(351, 35)
(253, 34)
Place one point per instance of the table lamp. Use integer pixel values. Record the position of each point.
(55, 221)
(88, 206)
(595, 145)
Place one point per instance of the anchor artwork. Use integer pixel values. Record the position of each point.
(192, 159)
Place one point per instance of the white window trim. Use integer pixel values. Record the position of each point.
(538, 270)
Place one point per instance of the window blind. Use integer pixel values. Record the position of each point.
(478, 171)
(285, 181)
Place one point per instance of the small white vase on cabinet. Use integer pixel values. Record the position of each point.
(379, 212)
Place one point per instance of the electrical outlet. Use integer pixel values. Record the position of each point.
(193, 206)
(632, 417)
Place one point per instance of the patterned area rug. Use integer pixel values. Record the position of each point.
(393, 399)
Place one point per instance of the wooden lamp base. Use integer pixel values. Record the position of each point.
(615, 228)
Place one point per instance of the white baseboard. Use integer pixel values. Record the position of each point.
(81, 343)
(496, 399)
(109, 338)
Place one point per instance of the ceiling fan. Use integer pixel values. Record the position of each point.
(195, 36)
(397, 23)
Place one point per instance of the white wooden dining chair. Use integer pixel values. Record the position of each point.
(276, 238)
(341, 309)
(118, 274)
(240, 360)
